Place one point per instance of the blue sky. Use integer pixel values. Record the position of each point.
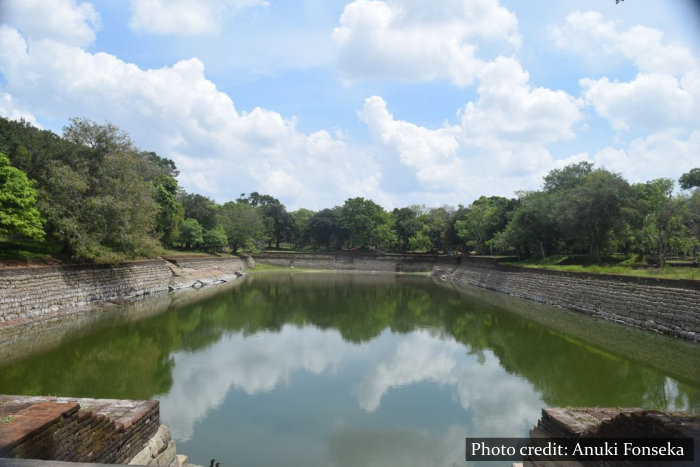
(402, 101)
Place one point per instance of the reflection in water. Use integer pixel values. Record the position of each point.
(359, 370)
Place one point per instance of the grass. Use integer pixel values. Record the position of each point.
(7, 419)
(268, 267)
(27, 250)
(622, 268)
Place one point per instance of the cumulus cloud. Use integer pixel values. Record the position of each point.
(179, 113)
(587, 32)
(12, 112)
(64, 20)
(184, 17)
(649, 102)
(665, 93)
(431, 153)
(662, 154)
(510, 109)
(414, 40)
(502, 135)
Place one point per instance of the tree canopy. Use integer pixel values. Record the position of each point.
(98, 197)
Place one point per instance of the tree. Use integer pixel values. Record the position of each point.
(532, 228)
(324, 228)
(690, 179)
(657, 210)
(299, 231)
(18, 213)
(241, 223)
(214, 240)
(406, 225)
(366, 222)
(485, 217)
(277, 221)
(121, 212)
(568, 177)
(199, 207)
(437, 226)
(589, 211)
(191, 233)
(170, 211)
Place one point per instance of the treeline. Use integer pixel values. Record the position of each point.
(99, 198)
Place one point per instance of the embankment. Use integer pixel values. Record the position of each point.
(357, 261)
(668, 306)
(30, 294)
(663, 305)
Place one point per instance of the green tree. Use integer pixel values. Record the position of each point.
(214, 240)
(324, 229)
(121, 212)
(191, 233)
(486, 217)
(590, 211)
(436, 225)
(199, 207)
(18, 213)
(568, 177)
(170, 211)
(532, 228)
(690, 179)
(658, 211)
(242, 224)
(278, 224)
(299, 231)
(407, 225)
(366, 222)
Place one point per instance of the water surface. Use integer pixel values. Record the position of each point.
(359, 370)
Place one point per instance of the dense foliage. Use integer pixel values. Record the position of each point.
(99, 198)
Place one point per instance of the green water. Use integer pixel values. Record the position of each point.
(352, 370)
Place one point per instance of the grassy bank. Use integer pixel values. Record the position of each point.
(623, 268)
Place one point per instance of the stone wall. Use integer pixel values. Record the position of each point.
(610, 423)
(31, 294)
(356, 261)
(83, 430)
(27, 293)
(664, 305)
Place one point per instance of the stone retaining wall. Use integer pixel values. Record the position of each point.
(83, 430)
(30, 292)
(356, 261)
(663, 305)
(611, 423)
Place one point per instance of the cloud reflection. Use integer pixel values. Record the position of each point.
(253, 364)
(497, 403)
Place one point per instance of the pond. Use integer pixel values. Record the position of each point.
(358, 370)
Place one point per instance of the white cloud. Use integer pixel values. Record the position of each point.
(414, 40)
(662, 154)
(179, 113)
(64, 20)
(431, 153)
(11, 112)
(588, 33)
(649, 102)
(184, 17)
(510, 109)
(498, 146)
(662, 101)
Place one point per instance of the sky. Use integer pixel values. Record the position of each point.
(400, 101)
